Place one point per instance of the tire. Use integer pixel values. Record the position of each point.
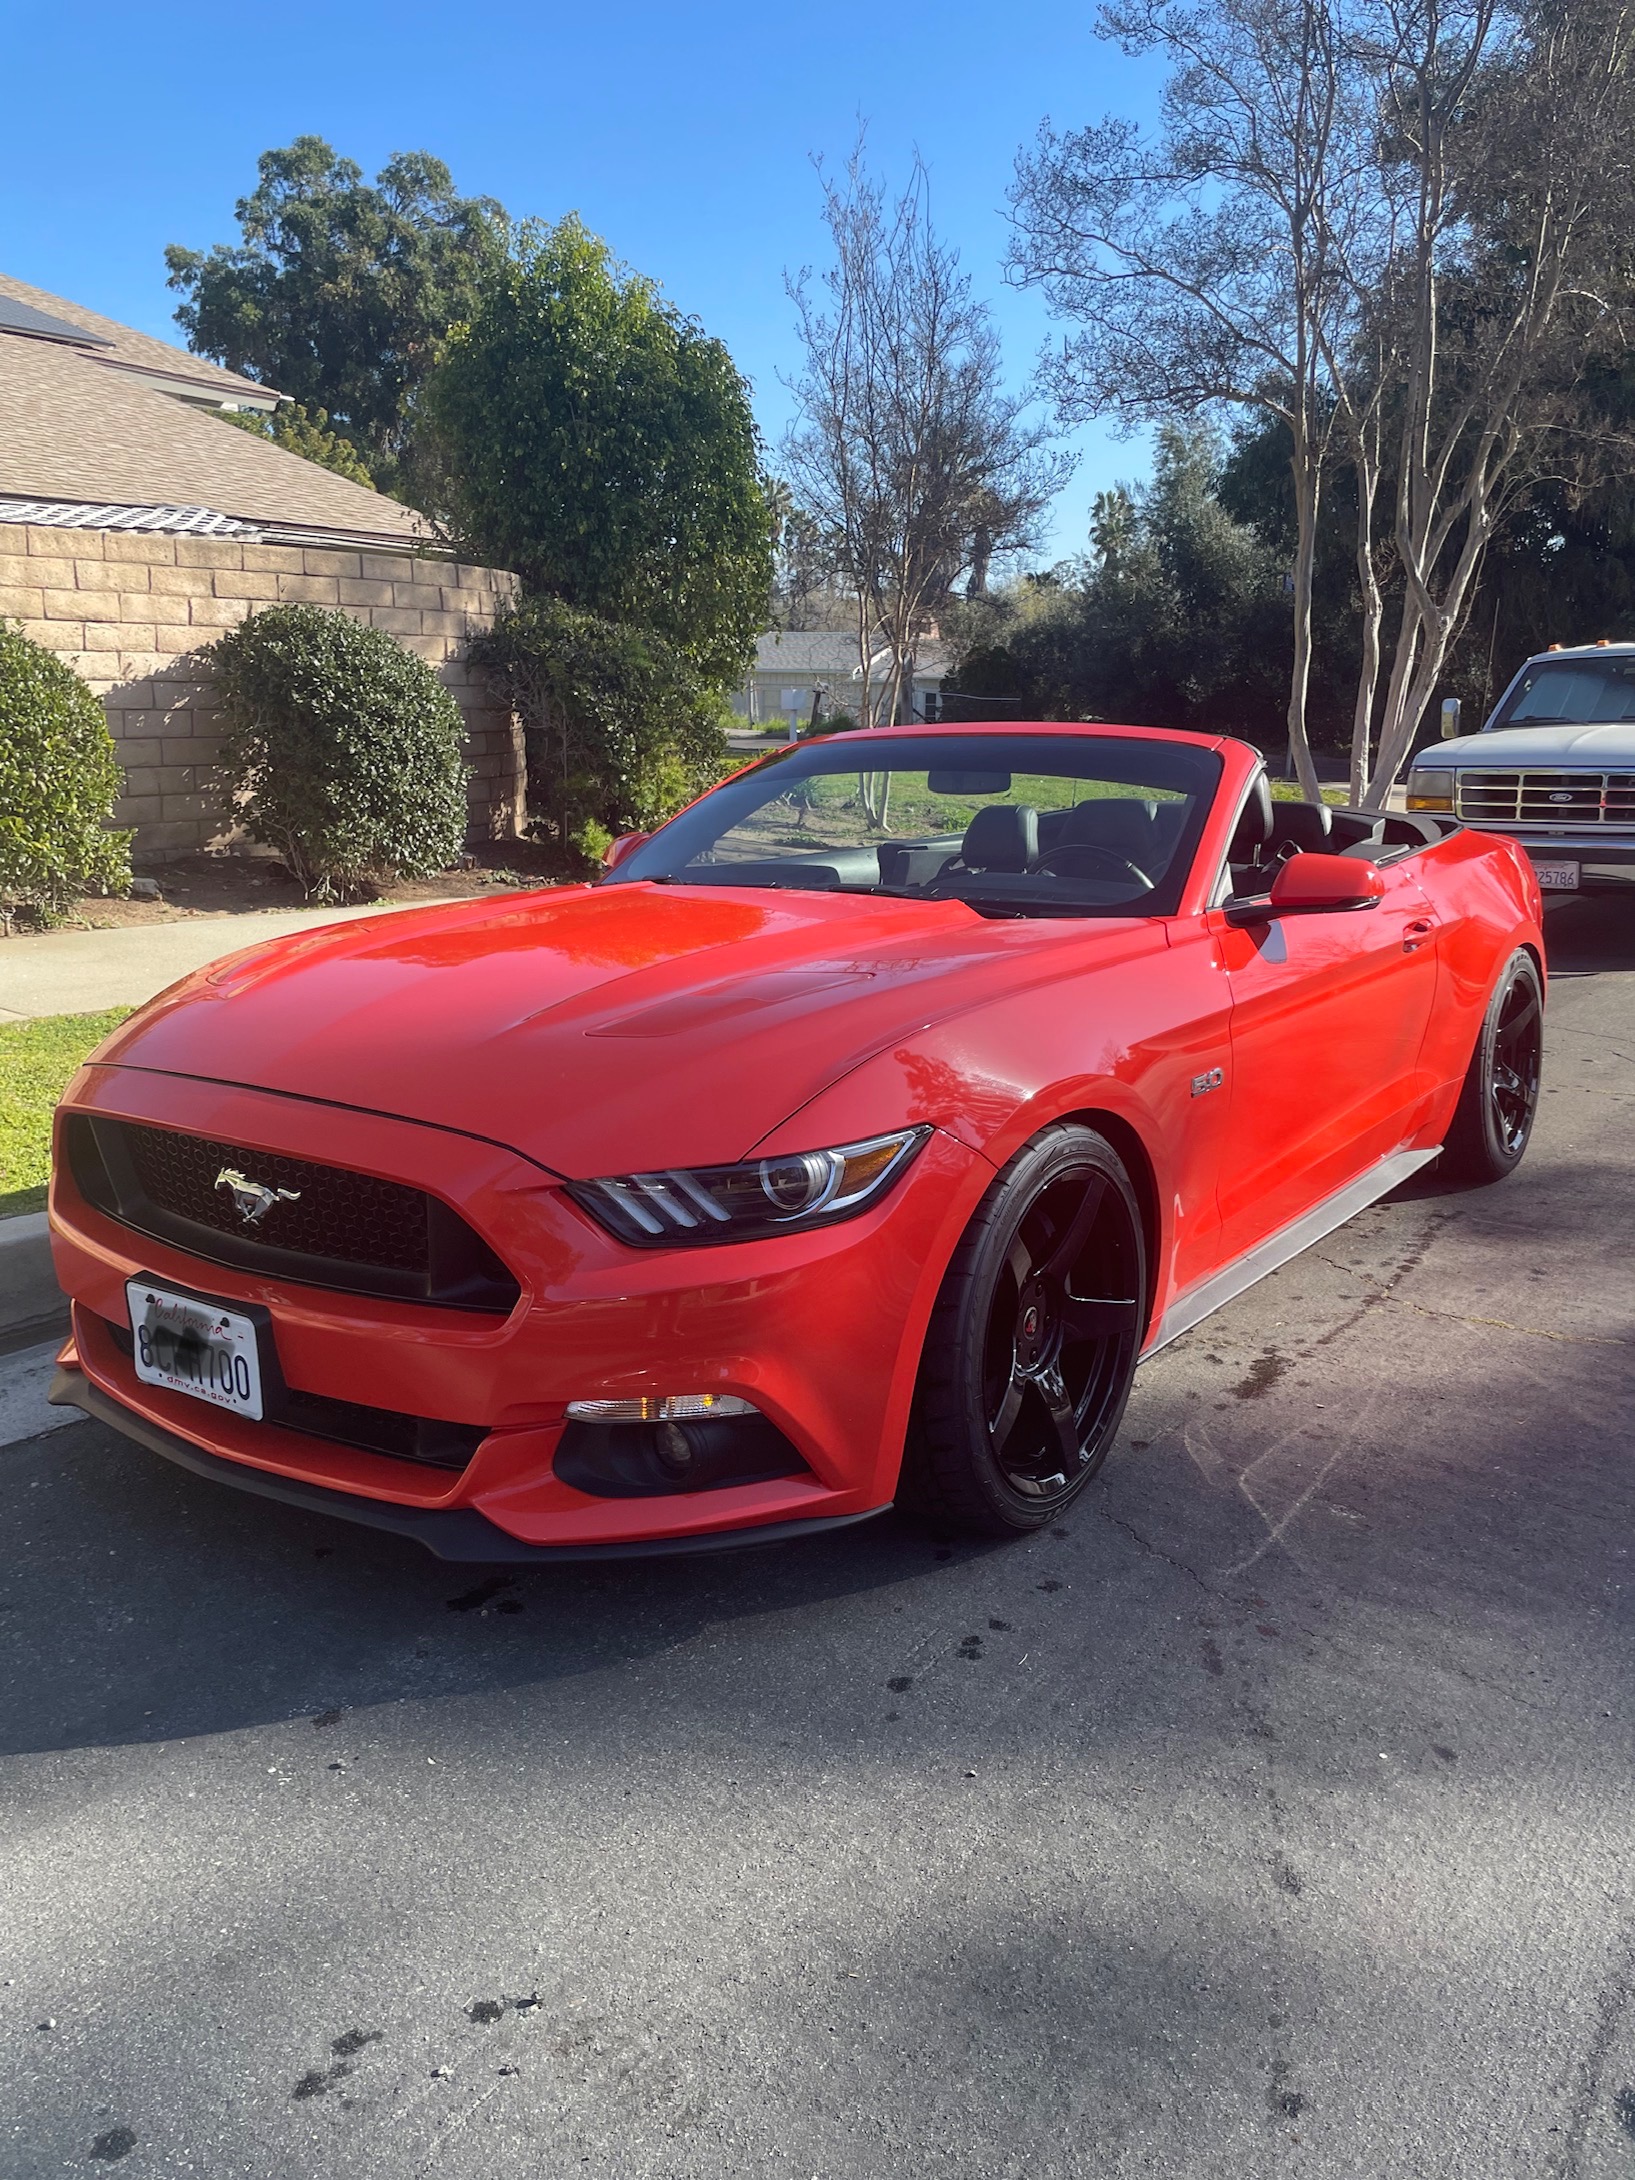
(1493, 1121)
(1033, 1341)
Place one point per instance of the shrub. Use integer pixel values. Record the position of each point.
(342, 750)
(620, 729)
(59, 779)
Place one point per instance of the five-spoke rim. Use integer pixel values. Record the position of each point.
(1513, 1079)
(1063, 1320)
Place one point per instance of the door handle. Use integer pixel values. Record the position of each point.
(1415, 934)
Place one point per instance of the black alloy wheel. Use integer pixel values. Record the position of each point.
(1033, 1342)
(1493, 1122)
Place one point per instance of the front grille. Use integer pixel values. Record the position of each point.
(1545, 798)
(325, 1227)
(423, 1439)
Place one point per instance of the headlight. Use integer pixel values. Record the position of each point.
(1429, 789)
(748, 1202)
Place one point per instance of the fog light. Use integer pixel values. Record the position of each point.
(675, 1408)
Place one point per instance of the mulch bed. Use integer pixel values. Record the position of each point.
(237, 885)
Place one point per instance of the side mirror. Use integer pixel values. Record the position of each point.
(1309, 885)
(1450, 717)
(626, 844)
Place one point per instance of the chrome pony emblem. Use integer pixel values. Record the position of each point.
(252, 1200)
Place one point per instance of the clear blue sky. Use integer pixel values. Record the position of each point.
(681, 134)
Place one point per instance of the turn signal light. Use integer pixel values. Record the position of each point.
(674, 1408)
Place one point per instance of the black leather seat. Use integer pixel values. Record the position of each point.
(1302, 828)
(1121, 824)
(1253, 833)
(1002, 837)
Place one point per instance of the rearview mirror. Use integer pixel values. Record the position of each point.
(1309, 885)
(968, 783)
(626, 844)
(1450, 717)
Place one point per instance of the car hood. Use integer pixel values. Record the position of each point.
(596, 1028)
(1540, 748)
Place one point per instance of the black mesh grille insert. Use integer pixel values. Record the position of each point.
(322, 1225)
(345, 1218)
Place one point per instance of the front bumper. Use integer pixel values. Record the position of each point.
(1601, 861)
(822, 1332)
(455, 1533)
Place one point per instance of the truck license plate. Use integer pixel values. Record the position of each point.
(195, 1347)
(1557, 877)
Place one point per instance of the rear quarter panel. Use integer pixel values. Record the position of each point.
(1488, 904)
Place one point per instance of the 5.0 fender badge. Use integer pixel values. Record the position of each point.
(1202, 1084)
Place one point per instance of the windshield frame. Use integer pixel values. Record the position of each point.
(1035, 750)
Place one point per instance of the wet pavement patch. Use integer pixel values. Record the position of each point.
(1262, 1374)
(116, 2143)
(484, 1593)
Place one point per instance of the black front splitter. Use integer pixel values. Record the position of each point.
(449, 1532)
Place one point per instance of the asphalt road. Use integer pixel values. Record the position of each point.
(1273, 1816)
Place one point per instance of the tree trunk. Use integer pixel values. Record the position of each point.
(1307, 486)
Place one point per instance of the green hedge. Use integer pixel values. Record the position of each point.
(343, 750)
(59, 780)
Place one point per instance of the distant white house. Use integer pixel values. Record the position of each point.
(793, 668)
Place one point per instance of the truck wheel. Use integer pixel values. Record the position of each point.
(1493, 1121)
(1033, 1341)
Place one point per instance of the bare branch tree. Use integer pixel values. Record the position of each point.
(1198, 266)
(907, 450)
(1507, 179)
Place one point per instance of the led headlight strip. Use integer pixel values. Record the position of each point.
(764, 1196)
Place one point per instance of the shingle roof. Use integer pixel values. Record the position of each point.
(126, 350)
(73, 428)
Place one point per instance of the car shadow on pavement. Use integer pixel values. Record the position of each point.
(143, 1604)
(1593, 936)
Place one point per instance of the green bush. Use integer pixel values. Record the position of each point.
(342, 750)
(620, 729)
(59, 779)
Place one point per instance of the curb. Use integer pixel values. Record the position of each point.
(29, 1294)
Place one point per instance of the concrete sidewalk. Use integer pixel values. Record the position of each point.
(82, 972)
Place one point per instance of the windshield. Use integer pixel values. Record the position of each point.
(1575, 692)
(1012, 824)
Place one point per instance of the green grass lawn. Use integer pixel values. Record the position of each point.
(36, 1061)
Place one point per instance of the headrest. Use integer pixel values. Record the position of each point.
(1255, 825)
(1122, 824)
(1002, 837)
(1305, 825)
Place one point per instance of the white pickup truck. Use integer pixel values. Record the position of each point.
(1554, 767)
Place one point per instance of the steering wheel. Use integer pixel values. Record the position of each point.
(1073, 852)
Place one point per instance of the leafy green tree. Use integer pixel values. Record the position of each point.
(603, 446)
(304, 431)
(339, 292)
(1177, 618)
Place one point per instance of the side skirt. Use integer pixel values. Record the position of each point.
(1277, 1249)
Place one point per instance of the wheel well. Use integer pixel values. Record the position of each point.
(1129, 1146)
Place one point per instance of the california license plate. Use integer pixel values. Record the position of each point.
(195, 1347)
(1557, 877)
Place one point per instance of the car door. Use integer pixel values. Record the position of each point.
(1329, 1018)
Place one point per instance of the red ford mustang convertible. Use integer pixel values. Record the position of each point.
(849, 1141)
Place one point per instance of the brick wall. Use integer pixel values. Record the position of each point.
(129, 612)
